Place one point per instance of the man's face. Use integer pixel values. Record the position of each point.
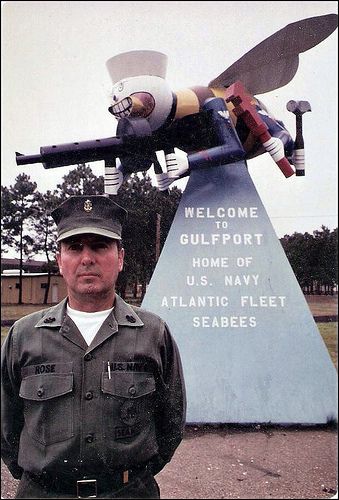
(90, 265)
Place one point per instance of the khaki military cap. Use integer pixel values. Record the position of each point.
(89, 215)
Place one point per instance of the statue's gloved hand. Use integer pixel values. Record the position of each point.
(113, 180)
(163, 181)
(176, 165)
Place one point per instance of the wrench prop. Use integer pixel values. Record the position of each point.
(243, 107)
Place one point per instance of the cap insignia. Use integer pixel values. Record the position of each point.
(88, 207)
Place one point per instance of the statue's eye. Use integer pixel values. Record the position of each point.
(121, 87)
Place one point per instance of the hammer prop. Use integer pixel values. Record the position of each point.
(298, 108)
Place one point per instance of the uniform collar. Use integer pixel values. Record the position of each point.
(54, 316)
(124, 314)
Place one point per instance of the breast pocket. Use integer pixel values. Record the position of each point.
(48, 406)
(128, 404)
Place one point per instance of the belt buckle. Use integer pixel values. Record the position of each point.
(87, 488)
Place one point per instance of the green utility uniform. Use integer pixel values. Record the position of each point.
(96, 420)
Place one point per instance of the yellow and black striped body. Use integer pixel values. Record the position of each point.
(191, 100)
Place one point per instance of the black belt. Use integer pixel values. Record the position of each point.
(89, 486)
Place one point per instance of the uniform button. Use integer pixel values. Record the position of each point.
(40, 392)
(132, 390)
(89, 395)
(88, 357)
(65, 328)
(89, 438)
(131, 319)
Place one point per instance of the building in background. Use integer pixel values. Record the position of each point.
(34, 282)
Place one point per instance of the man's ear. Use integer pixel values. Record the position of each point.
(121, 259)
(58, 258)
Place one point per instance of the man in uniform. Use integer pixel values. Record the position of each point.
(93, 395)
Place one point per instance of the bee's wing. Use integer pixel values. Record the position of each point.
(273, 62)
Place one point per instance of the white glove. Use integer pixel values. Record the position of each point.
(163, 181)
(176, 165)
(113, 180)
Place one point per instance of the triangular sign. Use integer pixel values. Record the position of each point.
(250, 348)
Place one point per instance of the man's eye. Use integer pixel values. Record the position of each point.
(100, 245)
(75, 247)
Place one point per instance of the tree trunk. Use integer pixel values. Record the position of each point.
(20, 270)
(49, 272)
(135, 289)
(48, 286)
(143, 288)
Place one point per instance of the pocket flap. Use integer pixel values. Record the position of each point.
(128, 385)
(43, 387)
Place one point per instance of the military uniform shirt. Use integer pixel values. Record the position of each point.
(65, 411)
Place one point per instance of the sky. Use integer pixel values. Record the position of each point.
(56, 88)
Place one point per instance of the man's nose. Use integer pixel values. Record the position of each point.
(87, 256)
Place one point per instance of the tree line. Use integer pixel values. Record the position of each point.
(28, 228)
(314, 259)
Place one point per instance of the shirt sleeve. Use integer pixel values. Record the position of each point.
(171, 402)
(11, 408)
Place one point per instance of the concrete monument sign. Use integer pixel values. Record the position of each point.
(250, 348)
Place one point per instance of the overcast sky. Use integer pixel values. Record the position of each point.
(56, 89)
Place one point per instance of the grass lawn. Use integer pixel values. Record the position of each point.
(4, 331)
(322, 305)
(329, 332)
(14, 311)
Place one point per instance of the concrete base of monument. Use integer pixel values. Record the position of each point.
(250, 348)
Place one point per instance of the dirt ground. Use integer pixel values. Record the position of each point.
(246, 462)
(253, 463)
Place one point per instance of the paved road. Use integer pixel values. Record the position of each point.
(246, 462)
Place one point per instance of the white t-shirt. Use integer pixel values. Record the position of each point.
(88, 323)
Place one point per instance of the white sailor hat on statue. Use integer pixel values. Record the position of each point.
(139, 86)
(136, 63)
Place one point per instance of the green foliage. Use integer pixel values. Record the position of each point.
(43, 227)
(79, 181)
(28, 227)
(18, 207)
(146, 207)
(313, 258)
